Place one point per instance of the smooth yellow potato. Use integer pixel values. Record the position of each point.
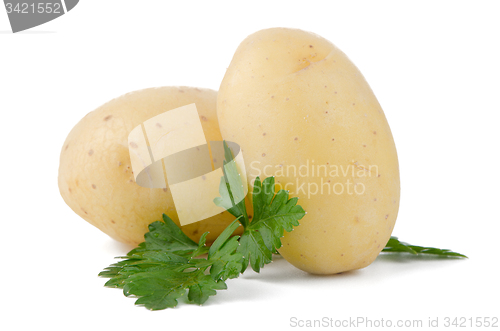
(95, 174)
(294, 101)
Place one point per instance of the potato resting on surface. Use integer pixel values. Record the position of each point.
(303, 112)
(95, 174)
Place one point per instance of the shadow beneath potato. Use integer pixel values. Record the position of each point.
(281, 271)
(384, 267)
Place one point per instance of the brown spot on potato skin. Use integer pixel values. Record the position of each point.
(65, 148)
(112, 221)
(165, 189)
(84, 211)
(158, 125)
(310, 46)
(387, 216)
(296, 138)
(264, 134)
(69, 189)
(91, 152)
(119, 164)
(203, 118)
(374, 132)
(107, 118)
(133, 144)
(263, 154)
(93, 186)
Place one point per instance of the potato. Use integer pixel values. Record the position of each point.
(301, 111)
(95, 175)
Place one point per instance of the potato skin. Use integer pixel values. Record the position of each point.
(95, 174)
(290, 97)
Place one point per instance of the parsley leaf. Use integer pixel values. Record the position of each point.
(168, 237)
(396, 246)
(168, 263)
(274, 214)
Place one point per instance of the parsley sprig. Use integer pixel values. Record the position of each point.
(168, 263)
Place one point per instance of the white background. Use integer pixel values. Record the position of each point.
(434, 66)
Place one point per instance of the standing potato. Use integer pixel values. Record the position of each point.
(301, 111)
(95, 175)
